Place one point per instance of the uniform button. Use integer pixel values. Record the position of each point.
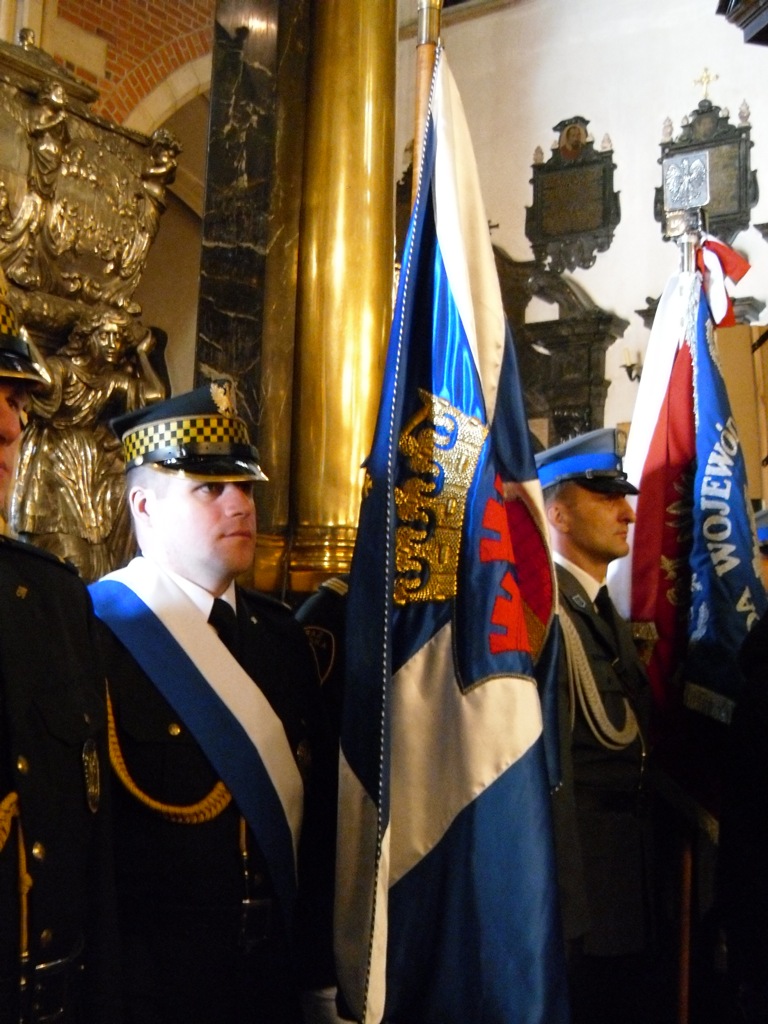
(22, 765)
(46, 937)
(174, 729)
(86, 718)
(38, 851)
(303, 755)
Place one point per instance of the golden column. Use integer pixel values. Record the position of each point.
(345, 273)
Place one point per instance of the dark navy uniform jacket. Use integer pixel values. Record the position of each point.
(188, 956)
(602, 835)
(53, 756)
(742, 867)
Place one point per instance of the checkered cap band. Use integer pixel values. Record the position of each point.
(8, 325)
(183, 436)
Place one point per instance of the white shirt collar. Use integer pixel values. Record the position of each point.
(589, 583)
(198, 595)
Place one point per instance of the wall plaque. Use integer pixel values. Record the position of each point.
(575, 210)
(733, 187)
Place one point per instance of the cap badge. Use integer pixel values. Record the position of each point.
(223, 395)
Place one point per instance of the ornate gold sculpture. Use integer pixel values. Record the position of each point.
(68, 496)
(80, 206)
(81, 224)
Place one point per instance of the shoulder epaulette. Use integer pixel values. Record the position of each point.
(32, 549)
(338, 584)
(266, 600)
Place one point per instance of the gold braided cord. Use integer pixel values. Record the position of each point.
(193, 814)
(9, 809)
(581, 684)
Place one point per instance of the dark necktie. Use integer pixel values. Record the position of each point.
(224, 621)
(603, 603)
(604, 607)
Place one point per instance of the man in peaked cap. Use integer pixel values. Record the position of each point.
(58, 951)
(223, 766)
(601, 828)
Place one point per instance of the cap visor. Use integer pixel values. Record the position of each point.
(217, 470)
(607, 485)
(13, 367)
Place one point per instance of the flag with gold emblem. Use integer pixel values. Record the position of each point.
(446, 894)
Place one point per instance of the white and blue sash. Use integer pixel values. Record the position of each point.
(228, 715)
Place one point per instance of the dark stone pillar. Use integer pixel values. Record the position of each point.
(250, 226)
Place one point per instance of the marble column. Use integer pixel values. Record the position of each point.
(297, 265)
(246, 315)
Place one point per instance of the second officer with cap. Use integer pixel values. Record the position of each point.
(600, 827)
(58, 951)
(215, 737)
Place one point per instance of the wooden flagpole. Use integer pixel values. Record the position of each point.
(684, 964)
(684, 223)
(427, 38)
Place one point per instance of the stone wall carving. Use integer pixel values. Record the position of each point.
(732, 182)
(561, 361)
(575, 209)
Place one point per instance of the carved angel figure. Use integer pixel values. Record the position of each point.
(17, 238)
(48, 136)
(68, 494)
(157, 172)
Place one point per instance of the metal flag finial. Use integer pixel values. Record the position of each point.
(686, 192)
(428, 30)
(427, 39)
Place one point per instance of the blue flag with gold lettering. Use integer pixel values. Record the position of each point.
(692, 579)
(446, 894)
(727, 593)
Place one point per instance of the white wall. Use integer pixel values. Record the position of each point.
(625, 65)
(169, 290)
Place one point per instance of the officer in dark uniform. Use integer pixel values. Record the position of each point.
(224, 813)
(58, 955)
(601, 829)
(742, 866)
(323, 616)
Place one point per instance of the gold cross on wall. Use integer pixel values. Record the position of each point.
(706, 80)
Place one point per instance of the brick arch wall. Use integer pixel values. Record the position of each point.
(147, 42)
(171, 95)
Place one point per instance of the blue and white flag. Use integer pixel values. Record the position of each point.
(727, 592)
(446, 892)
(692, 580)
(693, 572)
